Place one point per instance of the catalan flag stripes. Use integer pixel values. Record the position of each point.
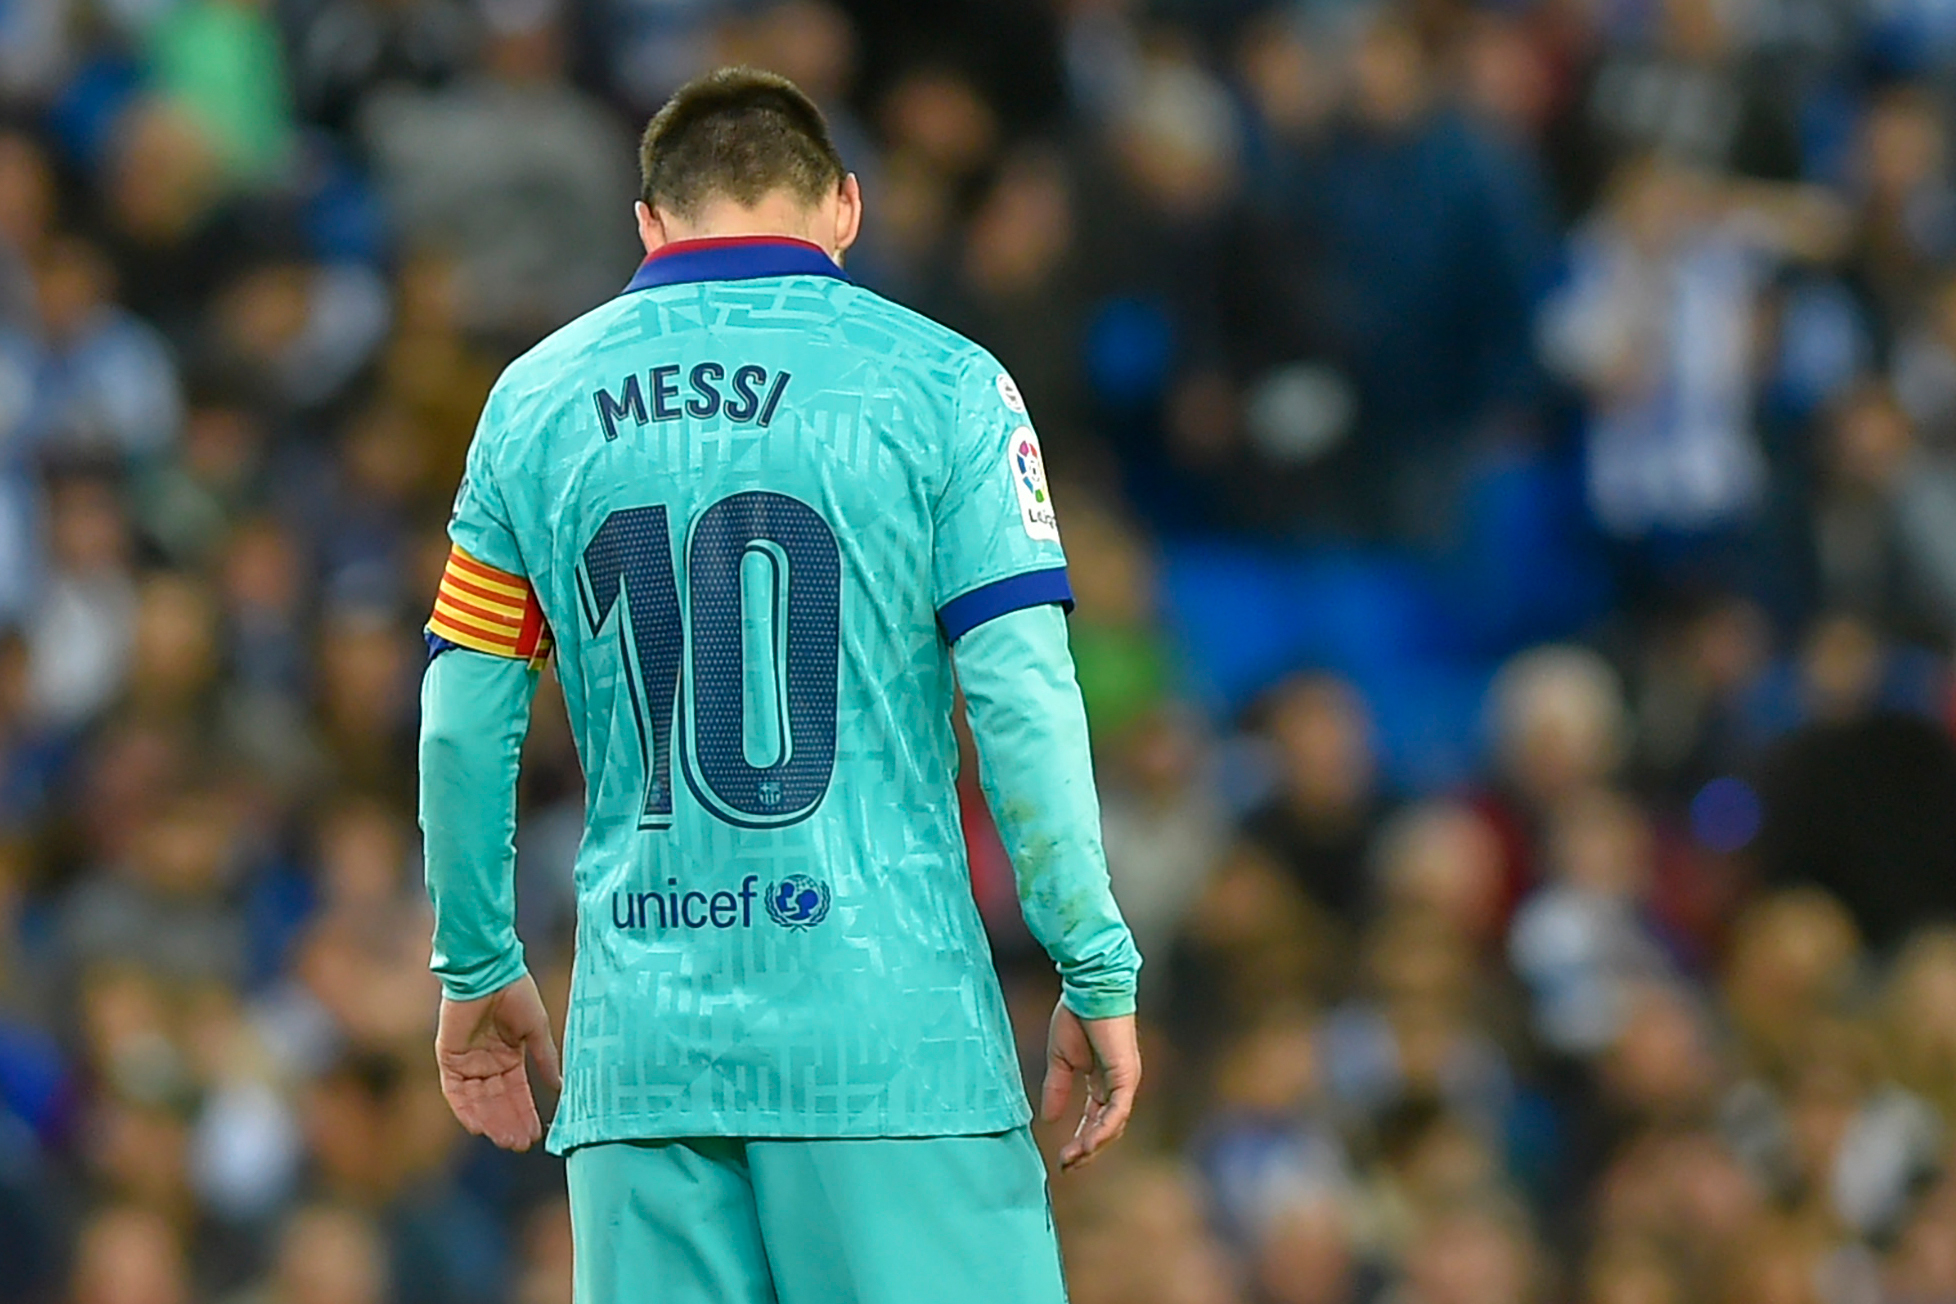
(488, 610)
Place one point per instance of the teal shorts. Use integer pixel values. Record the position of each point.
(943, 1220)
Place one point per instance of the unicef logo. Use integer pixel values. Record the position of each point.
(798, 901)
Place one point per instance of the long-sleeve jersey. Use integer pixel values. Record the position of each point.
(761, 513)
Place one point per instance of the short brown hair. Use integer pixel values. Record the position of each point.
(739, 134)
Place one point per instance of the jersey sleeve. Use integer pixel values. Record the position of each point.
(996, 541)
(1036, 767)
(480, 524)
(475, 711)
(485, 602)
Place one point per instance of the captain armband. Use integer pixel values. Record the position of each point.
(487, 610)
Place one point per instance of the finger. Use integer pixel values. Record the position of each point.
(500, 1108)
(515, 1126)
(1075, 1151)
(1109, 1123)
(544, 1047)
(524, 1125)
(1057, 1092)
(1101, 1126)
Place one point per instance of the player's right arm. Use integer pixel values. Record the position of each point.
(486, 640)
(1001, 585)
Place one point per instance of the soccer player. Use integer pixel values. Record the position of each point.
(759, 512)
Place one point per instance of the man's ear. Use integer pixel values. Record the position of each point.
(651, 228)
(848, 213)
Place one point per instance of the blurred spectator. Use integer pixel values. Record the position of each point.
(222, 61)
(293, 335)
(1268, 1147)
(1582, 943)
(1137, 1234)
(1408, 1039)
(649, 47)
(1557, 715)
(104, 381)
(1431, 300)
(1443, 860)
(343, 50)
(26, 221)
(1907, 228)
(1251, 941)
(1793, 957)
(185, 505)
(936, 114)
(129, 1256)
(381, 1145)
(1920, 1022)
(1475, 1254)
(81, 632)
(1018, 286)
(327, 1255)
(367, 697)
(366, 947)
(1860, 801)
(430, 368)
(168, 223)
(1162, 825)
(1656, 323)
(1688, 90)
(1692, 707)
(1154, 196)
(526, 181)
(163, 909)
(1327, 806)
(1885, 527)
(1308, 1257)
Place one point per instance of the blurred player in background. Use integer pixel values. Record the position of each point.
(757, 511)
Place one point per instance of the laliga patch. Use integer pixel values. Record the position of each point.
(1008, 390)
(1028, 468)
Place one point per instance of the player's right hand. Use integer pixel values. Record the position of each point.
(1107, 1053)
(480, 1048)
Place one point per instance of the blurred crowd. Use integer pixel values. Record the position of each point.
(1507, 455)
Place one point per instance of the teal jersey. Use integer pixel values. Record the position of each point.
(756, 504)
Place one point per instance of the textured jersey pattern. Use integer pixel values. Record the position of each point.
(776, 930)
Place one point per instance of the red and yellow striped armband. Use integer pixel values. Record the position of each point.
(488, 610)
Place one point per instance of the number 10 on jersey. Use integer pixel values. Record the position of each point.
(745, 682)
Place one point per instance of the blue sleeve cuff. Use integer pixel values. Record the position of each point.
(968, 611)
(437, 644)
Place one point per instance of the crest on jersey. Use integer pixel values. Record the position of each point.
(798, 901)
(1008, 391)
(1028, 467)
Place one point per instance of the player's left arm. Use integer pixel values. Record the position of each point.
(487, 642)
(1001, 585)
(1035, 767)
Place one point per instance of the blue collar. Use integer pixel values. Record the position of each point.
(733, 258)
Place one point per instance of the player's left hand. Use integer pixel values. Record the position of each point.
(480, 1049)
(1107, 1053)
